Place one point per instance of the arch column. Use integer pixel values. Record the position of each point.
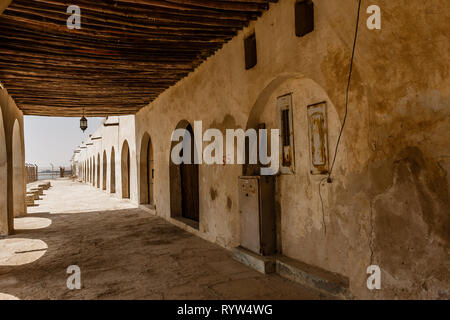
(4, 229)
(18, 166)
(112, 179)
(15, 162)
(104, 171)
(125, 170)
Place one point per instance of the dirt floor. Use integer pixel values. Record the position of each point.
(123, 253)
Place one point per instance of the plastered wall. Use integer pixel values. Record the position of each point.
(388, 203)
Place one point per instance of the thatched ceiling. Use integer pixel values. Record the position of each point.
(126, 53)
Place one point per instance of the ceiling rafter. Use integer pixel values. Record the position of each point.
(125, 55)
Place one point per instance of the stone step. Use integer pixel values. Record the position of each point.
(148, 208)
(330, 284)
(35, 194)
(263, 264)
(45, 186)
(313, 277)
(39, 189)
(29, 200)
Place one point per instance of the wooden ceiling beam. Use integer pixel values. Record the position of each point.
(124, 56)
(134, 8)
(135, 18)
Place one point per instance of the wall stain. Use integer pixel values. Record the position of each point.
(213, 193)
(229, 203)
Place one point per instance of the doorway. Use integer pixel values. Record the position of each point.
(147, 172)
(184, 181)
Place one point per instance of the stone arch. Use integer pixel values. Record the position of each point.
(105, 168)
(112, 179)
(18, 165)
(4, 224)
(293, 213)
(146, 165)
(98, 170)
(125, 170)
(184, 184)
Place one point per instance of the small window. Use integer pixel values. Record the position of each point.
(250, 51)
(287, 134)
(304, 17)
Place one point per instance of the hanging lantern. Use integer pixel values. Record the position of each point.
(83, 123)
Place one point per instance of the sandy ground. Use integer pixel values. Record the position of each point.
(123, 253)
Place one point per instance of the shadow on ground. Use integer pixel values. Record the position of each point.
(128, 254)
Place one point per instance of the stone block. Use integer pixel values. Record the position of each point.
(310, 276)
(263, 264)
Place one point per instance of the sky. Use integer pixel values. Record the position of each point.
(53, 140)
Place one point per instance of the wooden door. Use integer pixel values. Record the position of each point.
(189, 185)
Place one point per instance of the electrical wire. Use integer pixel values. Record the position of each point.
(347, 91)
(321, 202)
(345, 115)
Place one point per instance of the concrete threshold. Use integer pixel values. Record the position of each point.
(148, 208)
(329, 283)
(263, 264)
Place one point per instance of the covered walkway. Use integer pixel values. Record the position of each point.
(123, 253)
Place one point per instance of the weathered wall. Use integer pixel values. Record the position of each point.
(388, 203)
(16, 177)
(4, 4)
(3, 179)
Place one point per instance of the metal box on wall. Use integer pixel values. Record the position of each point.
(257, 212)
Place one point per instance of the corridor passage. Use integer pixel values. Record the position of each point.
(123, 253)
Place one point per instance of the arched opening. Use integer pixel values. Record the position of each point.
(272, 111)
(104, 170)
(125, 166)
(98, 170)
(112, 179)
(4, 229)
(18, 172)
(147, 173)
(184, 181)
